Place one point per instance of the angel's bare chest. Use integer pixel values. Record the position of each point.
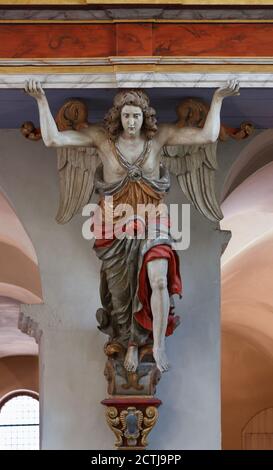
(114, 170)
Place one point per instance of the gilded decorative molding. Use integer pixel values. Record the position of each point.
(131, 420)
(149, 422)
(63, 76)
(140, 2)
(94, 62)
(113, 421)
(131, 424)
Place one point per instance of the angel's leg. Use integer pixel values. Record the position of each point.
(160, 305)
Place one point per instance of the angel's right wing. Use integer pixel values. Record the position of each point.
(76, 166)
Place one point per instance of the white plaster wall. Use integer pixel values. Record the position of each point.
(71, 350)
(71, 359)
(190, 415)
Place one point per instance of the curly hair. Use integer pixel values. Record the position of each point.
(112, 120)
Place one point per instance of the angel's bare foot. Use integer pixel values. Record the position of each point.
(161, 359)
(131, 359)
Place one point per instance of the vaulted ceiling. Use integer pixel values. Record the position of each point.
(19, 281)
(247, 301)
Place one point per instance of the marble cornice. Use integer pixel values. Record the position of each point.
(137, 79)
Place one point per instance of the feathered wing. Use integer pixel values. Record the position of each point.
(76, 166)
(195, 166)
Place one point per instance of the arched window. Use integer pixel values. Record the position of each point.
(19, 420)
(258, 432)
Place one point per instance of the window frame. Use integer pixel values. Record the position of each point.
(17, 393)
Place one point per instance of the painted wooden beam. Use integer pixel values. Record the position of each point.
(143, 39)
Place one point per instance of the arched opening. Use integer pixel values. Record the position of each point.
(19, 271)
(247, 309)
(19, 283)
(255, 155)
(19, 421)
(258, 432)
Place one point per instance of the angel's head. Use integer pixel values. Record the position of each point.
(131, 112)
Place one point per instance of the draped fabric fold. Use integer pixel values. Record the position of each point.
(125, 289)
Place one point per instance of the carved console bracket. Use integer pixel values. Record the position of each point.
(131, 419)
(142, 382)
(132, 409)
(73, 115)
(190, 112)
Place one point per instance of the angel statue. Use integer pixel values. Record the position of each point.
(128, 157)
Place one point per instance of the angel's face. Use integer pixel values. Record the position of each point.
(131, 119)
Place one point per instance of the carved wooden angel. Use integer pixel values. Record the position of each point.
(122, 160)
(194, 165)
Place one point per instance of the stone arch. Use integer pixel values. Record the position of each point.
(247, 271)
(20, 280)
(19, 271)
(255, 155)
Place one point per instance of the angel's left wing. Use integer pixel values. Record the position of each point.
(195, 166)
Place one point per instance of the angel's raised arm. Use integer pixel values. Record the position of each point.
(52, 137)
(170, 134)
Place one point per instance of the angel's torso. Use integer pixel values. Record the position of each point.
(113, 171)
(132, 176)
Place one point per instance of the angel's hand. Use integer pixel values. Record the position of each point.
(34, 89)
(231, 89)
